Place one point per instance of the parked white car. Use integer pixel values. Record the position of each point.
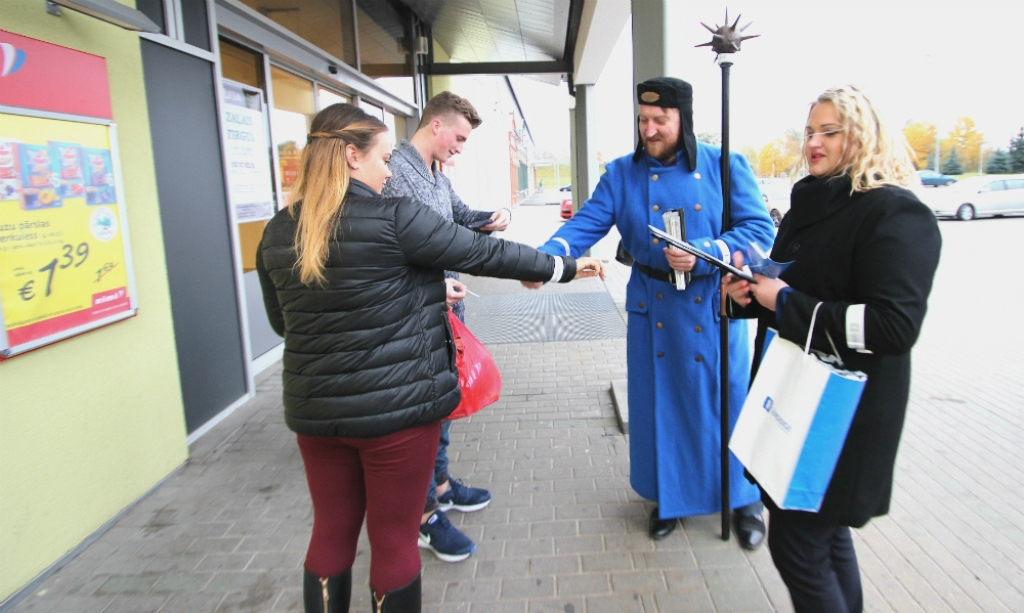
(986, 195)
(775, 193)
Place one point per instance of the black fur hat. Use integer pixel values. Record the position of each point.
(669, 92)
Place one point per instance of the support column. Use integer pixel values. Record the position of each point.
(655, 53)
(649, 17)
(585, 169)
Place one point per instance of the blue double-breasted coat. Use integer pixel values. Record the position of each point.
(673, 344)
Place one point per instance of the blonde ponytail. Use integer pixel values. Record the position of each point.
(323, 181)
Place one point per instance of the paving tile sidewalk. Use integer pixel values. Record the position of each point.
(228, 531)
(565, 533)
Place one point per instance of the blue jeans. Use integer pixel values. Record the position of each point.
(440, 474)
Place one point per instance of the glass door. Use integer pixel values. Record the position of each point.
(290, 118)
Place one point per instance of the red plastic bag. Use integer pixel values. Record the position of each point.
(479, 379)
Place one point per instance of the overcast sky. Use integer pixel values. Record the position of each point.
(920, 61)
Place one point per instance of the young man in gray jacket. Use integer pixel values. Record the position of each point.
(447, 122)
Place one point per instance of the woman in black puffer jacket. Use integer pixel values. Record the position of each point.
(355, 284)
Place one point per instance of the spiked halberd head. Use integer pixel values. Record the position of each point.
(727, 39)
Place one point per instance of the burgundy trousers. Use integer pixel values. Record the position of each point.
(380, 479)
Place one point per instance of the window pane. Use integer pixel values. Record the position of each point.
(197, 26)
(372, 109)
(400, 87)
(154, 9)
(328, 24)
(1015, 184)
(289, 122)
(400, 128)
(241, 65)
(996, 186)
(381, 50)
(326, 98)
(292, 92)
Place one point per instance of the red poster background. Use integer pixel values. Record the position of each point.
(57, 79)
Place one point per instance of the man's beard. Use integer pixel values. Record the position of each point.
(661, 150)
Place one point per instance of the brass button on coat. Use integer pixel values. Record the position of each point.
(656, 208)
(697, 207)
(697, 299)
(654, 177)
(699, 358)
(697, 329)
(655, 241)
(658, 296)
(661, 354)
(640, 304)
(660, 325)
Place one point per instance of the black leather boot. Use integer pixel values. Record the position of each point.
(327, 594)
(405, 599)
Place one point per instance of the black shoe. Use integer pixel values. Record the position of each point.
(327, 594)
(406, 599)
(750, 530)
(660, 528)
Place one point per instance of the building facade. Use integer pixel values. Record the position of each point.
(207, 116)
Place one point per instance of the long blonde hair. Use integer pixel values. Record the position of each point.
(872, 156)
(323, 181)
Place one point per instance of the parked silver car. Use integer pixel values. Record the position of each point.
(986, 195)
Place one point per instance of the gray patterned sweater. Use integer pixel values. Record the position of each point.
(412, 177)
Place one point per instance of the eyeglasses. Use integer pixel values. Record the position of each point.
(826, 134)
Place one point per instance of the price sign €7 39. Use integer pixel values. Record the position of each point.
(62, 258)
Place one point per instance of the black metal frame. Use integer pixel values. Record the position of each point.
(498, 68)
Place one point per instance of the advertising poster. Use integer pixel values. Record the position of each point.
(63, 263)
(247, 153)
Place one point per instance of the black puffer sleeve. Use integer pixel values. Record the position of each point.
(270, 301)
(429, 240)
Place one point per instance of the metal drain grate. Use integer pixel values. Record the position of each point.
(545, 318)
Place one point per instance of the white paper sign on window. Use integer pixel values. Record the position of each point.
(250, 185)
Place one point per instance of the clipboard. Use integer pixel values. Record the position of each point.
(688, 248)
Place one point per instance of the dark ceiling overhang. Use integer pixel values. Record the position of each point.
(501, 37)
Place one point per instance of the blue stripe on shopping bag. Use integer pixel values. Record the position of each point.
(824, 442)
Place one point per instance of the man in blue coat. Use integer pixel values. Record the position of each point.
(673, 339)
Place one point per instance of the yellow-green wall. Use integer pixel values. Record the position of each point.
(90, 424)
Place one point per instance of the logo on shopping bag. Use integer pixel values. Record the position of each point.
(769, 407)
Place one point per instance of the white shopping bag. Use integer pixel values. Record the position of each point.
(794, 422)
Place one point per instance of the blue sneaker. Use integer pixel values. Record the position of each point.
(463, 498)
(444, 539)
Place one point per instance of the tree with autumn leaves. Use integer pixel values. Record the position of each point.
(963, 144)
(778, 158)
(964, 138)
(921, 138)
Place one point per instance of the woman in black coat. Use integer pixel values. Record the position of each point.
(355, 284)
(865, 247)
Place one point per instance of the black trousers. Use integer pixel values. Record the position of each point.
(817, 562)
